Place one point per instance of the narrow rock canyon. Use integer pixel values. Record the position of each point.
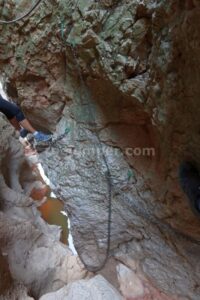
(121, 81)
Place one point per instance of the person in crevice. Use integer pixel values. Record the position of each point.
(189, 178)
(19, 121)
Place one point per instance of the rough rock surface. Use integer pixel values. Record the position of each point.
(32, 258)
(96, 288)
(136, 102)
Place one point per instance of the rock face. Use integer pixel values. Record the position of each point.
(95, 288)
(32, 258)
(123, 77)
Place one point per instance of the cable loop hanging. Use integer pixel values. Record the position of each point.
(22, 17)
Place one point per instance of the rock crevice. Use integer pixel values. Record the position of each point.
(123, 77)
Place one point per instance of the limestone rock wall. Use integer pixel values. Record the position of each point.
(123, 77)
(33, 261)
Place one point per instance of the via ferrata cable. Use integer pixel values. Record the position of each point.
(24, 16)
(108, 172)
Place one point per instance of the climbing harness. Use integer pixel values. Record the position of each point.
(24, 16)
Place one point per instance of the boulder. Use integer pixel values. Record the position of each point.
(96, 288)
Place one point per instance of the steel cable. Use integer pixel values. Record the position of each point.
(24, 16)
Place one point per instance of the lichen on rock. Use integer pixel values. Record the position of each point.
(123, 76)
